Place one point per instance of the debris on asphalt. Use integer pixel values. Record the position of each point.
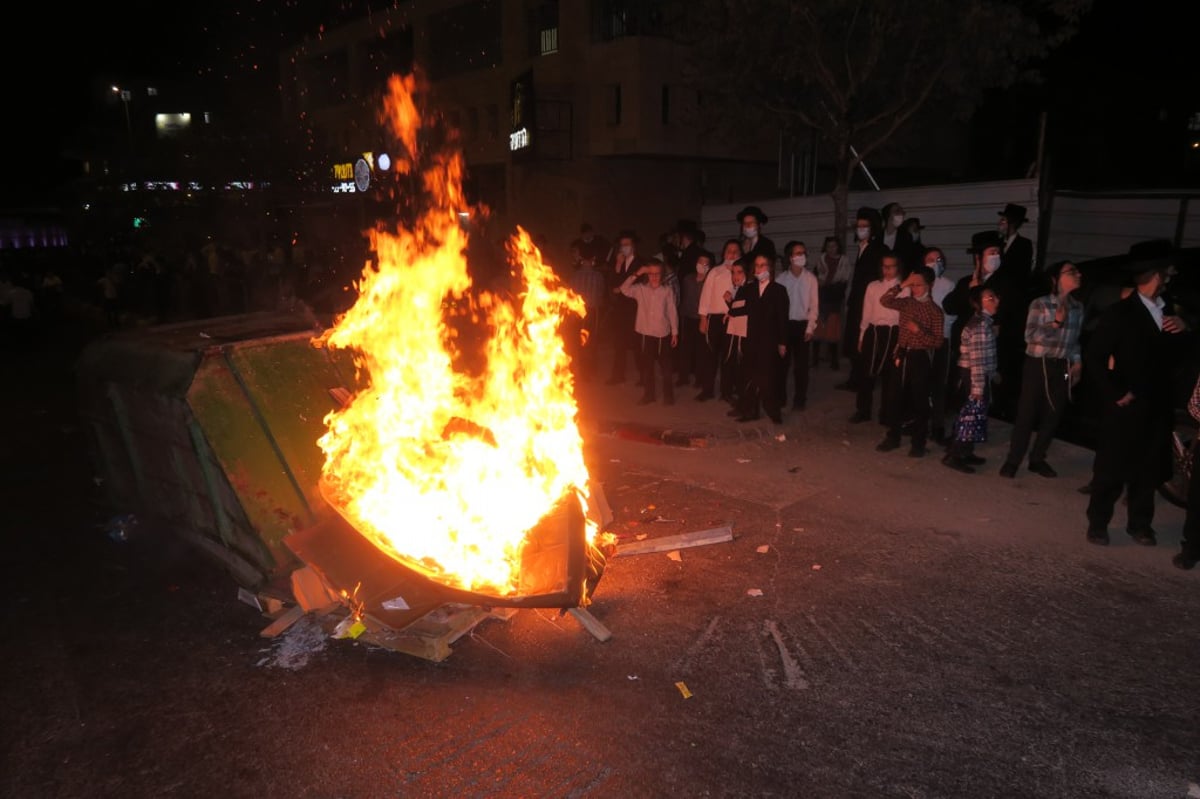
(816, 567)
(675, 556)
(743, 460)
(117, 528)
(632, 677)
(754, 592)
(680, 541)
(794, 469)
(797, 529)
(642, 536)
(293, 649)
(683, 689)
(763, 548)
(781, 437)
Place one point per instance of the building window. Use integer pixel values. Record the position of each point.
(613, 116)
(615, 19)
(543, 29)
(493, 121)
(473, 124)
(464, 38)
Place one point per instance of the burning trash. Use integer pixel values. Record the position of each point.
(455, 473)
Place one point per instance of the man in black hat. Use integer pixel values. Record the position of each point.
(691, 244)
(1010, 320)
(1016, 251)
(869, 251)
(754, 243)
(590, 245)
(1130, 359)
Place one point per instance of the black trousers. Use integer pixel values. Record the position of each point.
(762, 367)
(690, 350)
(939, 386)
(710, 355)
(654, 350)
(907, 394)
(624, 338)
(878, 347)
(797, 359)
(1045, 391)
(1189, 545)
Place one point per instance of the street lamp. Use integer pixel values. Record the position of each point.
(126, 96)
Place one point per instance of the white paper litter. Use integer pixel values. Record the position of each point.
(743, 460)
(763, 548)
(674, 555)
(754, 592)
(395, 603)
(296, 645)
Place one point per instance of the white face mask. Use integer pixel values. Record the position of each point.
(749, 231)
(862, 233)
(626, 250)
(799, 261)
(701, 269)
(761, 277)
(938, 267)
(991, 263)
(897, 220)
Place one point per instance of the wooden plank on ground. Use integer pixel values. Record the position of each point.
(285, 620)
(591, 624)
(667, 543)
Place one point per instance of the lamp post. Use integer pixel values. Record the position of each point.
(125, 96)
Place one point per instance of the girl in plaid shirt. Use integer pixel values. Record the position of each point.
(978, 365)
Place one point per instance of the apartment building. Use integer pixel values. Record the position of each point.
(571, 111)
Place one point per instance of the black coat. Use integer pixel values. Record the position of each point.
(1017, 261)
(767, 320)
(1128, 353)
(866, 269)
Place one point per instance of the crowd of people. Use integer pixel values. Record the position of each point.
(930, 359)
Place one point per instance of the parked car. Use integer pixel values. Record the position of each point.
(1103, 282)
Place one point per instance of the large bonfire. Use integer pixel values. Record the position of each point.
(442, 467)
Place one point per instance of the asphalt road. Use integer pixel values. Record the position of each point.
(919, 633)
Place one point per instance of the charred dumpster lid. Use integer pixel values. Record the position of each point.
(164, 358)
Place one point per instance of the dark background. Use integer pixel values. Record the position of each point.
(1117, 97)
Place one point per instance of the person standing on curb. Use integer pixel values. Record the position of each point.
(1053, 366)
(802, 290)
(656, 326)
(1189, 545)
(1131, 358)
(977, 366)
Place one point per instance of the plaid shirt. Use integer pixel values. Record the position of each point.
(977, 352)
(925, 313)
(1194, 402)
(1043, 339)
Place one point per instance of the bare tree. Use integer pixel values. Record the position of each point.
(855, 72)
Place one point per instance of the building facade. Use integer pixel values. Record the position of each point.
(568, 112)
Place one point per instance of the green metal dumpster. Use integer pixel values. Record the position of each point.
(209, 428)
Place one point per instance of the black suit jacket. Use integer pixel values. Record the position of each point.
(1128, 353)
(866, 269)
(1017, 260)
(767, 318)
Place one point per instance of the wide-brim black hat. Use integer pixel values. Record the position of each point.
(984, 239)
(871, 215)
(1015, 214)
(754, 211)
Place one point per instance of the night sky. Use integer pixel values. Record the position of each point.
(1115, 92)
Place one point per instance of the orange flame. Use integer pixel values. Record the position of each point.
(443, 468)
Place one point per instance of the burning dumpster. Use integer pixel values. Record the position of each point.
(420, 452)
